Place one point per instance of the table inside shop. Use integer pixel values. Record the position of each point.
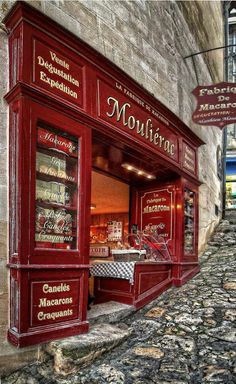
(132, 282)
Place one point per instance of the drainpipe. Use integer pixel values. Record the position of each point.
(226, 5)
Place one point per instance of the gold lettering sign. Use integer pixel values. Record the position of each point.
(45, 302)
(54, 301)
(144, 129)
(189, 160)
(57, 73)
(54, 315)
(133, 117)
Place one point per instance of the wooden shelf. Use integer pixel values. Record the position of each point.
(61, 155)
(46, 177)
(73, 234)
(49, 205)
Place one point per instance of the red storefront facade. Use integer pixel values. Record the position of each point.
(65, 101)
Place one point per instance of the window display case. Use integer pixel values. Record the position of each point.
(189, 221)
(56, 190)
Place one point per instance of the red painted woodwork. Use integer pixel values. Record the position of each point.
(156, 128)
(33, 267)
(150, 279)
(47, 74)
(167, 216)
(136, 119)
(182, 272)
(33, 321)
(57, 82)
(157, 211)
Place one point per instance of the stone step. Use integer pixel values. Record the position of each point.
(73, 353)
(110, 312)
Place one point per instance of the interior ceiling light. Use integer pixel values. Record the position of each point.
(140, 172)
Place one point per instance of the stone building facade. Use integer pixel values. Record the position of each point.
(148, 40)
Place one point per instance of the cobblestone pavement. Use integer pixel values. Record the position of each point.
(187, 335)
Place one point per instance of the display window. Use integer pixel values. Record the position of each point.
(137, 232)
(109, 210)
(189, 219)
(126, 253)
(56, 189)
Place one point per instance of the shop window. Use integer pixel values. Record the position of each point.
(109, 210)
(56, 189)
(219, 162)
(189, 213)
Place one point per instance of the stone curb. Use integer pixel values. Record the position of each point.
(76, 352)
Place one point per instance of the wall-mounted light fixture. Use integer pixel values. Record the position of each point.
(93, 206)
(138, 171)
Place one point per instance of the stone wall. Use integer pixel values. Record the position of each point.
(148, 40)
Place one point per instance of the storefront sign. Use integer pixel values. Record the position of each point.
(189, 158)
(57, 73)
(216, 104)
(54, 301)
(120, 107)
(156, 212)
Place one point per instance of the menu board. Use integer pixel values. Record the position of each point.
(56, 191)
(188, 221)
(114, 230)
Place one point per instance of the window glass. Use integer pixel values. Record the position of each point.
(189, 202)
(57, 179)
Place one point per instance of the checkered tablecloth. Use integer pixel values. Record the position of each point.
(118, 270)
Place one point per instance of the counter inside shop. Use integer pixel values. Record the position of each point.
(129, 278)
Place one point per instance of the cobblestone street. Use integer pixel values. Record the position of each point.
(187, 335)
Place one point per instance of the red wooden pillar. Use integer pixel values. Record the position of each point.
(186, 263)
(50, 165)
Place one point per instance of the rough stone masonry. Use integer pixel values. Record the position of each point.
(187, 335)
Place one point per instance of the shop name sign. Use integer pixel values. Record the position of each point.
(57, 73)
(216, 104)
(140, 121)
(144, 129)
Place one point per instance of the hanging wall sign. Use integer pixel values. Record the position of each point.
(216, 104)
